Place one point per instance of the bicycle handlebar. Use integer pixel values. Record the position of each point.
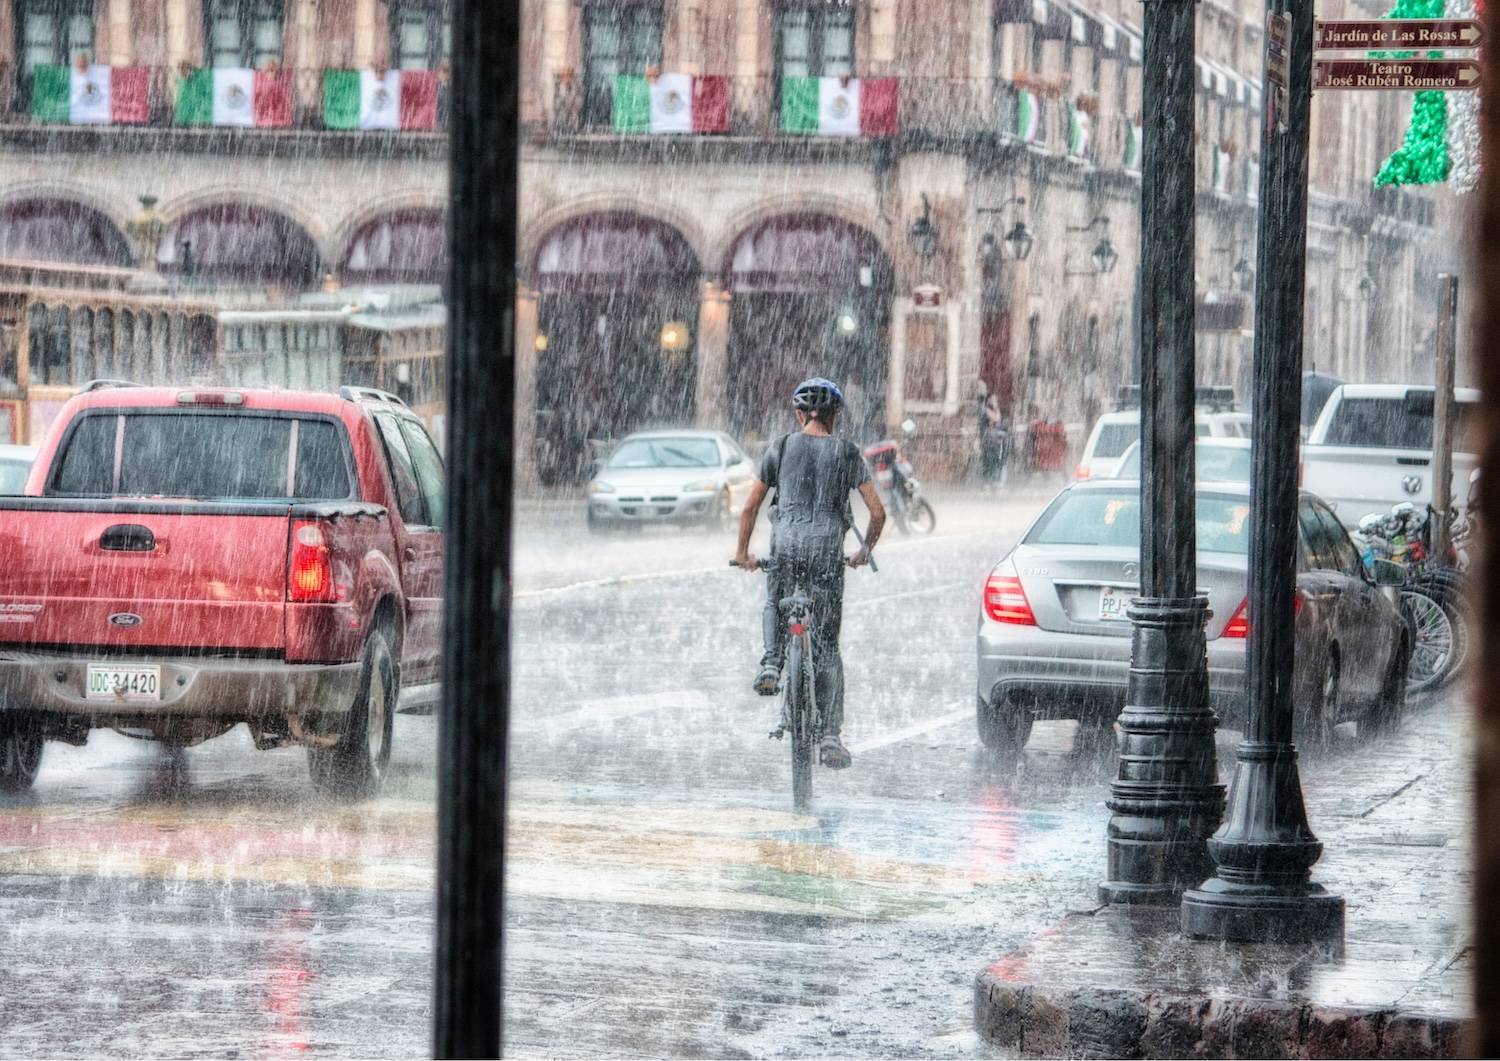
(767, 564)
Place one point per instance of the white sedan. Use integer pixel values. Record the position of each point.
(682, 477)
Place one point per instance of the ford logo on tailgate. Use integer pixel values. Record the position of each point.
(125, 619)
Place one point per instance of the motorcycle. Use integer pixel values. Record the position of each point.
(899, 489)
(1432, 599)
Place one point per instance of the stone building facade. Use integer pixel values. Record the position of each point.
(689, 278)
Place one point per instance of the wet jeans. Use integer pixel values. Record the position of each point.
(816, 563)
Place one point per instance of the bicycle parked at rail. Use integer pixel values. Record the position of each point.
(801, 718)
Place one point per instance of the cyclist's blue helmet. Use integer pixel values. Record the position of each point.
(817, 395)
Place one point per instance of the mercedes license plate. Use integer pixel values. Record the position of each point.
(128, 682)
(1112, 604)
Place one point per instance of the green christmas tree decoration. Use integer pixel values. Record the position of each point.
(1423, 155)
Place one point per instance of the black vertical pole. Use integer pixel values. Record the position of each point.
(1166, 799)
(1262, 889)
(483, 141)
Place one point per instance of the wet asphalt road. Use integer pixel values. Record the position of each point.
(662, 896)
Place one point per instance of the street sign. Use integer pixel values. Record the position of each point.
(927, 296)
(1278, 35)
(1398, 33)
(1425, 75)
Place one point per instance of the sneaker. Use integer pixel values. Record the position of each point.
(768, 679)
(833, 754)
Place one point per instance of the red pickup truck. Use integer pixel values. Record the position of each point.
(186, 559)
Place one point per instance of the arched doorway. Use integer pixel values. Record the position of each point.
(238, 243)
(60, 230)
(616, 317)
(811, 296)
(402, 247)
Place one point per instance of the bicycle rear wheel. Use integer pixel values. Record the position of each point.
(799, 719)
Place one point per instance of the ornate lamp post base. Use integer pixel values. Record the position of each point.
(1262, 914)
(1166, 799)
(1265, 852)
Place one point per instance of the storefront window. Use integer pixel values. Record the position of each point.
(244, 33)
(617, 39)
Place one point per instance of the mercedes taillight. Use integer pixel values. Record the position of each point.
(1004, 598)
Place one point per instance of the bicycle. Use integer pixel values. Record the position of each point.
(800, 715)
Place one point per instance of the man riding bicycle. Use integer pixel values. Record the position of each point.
(813, 475)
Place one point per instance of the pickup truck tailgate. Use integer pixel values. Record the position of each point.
(143, 574)
(1357, 481)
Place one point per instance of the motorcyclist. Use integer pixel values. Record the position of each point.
(812, 474)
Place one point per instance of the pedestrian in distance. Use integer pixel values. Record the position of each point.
(812, 473)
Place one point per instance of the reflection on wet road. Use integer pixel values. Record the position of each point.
(663, 897)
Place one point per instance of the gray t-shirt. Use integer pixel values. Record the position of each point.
(812, 476)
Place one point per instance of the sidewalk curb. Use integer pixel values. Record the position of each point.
(1063, 1020)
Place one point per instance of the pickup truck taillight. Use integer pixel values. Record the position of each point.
(309, 577)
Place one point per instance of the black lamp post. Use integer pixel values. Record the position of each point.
(1262, 889)
(1166, 799)
(924, 234)
(1018, 241)
(1104, 256)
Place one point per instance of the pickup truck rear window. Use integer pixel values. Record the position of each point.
(204, 456)
(1390, 423)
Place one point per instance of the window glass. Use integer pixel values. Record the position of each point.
(1322, 554)
(617, 40)
(1109, 518)
(429, 468)
(1115, 439)
(88, 457)
(244, 33)
(403, 472)
(815, 41)
(1393, 423)
(420, 35)
(1340, 549)
(322, 462)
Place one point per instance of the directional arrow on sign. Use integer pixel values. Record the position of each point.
(1398, 33)
(1406, 75)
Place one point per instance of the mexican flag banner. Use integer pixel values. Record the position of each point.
(671, 103)
(1133, 148)
(836, 106)
(394, 99)
(235, 97)
(1028, 116)
(1079, 127)
(90, 95)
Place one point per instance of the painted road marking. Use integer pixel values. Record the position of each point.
(915, 730)
(612, 708)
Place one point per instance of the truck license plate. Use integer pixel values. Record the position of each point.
(1112, 602)
(132, 683)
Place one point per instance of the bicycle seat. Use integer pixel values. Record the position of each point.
(795, 602)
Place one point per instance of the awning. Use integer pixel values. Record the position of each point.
(613, 253)
(806, 253)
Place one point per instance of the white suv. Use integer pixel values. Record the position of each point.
(1114, 432)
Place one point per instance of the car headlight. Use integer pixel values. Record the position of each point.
(699, 487)
(598, 487)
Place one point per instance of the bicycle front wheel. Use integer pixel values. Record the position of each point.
(799, 720)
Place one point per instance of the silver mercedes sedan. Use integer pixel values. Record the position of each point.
(694, 477)
(1054, 638)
